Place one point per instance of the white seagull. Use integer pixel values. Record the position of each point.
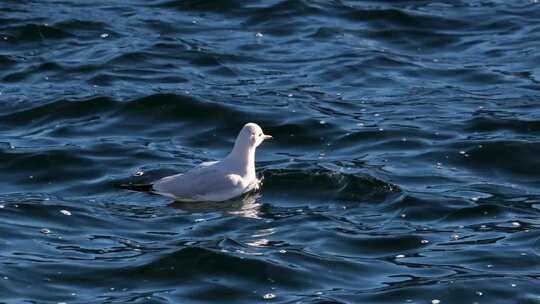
(220, 180)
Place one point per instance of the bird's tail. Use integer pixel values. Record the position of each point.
(136, 187)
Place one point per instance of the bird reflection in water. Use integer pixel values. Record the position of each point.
(244, 206)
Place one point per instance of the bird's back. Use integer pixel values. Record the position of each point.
(212, 183)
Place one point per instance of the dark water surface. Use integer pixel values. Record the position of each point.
(405, 166)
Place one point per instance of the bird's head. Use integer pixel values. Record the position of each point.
(252, 135)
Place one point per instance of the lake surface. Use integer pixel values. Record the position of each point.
(405, 166)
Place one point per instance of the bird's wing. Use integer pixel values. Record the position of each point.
(199, 183)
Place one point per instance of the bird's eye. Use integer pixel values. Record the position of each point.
(260, 134)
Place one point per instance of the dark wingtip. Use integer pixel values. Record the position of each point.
(136, 187)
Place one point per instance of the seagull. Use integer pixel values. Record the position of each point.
(220, 180)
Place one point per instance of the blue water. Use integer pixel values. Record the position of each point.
(405, 166)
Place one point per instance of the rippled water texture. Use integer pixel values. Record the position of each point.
(405, 166)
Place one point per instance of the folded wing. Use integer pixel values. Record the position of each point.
(204, 183)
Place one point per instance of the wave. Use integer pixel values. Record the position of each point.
(325, 185)
(35, 33)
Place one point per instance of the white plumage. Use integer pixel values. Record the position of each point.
(222, 180)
